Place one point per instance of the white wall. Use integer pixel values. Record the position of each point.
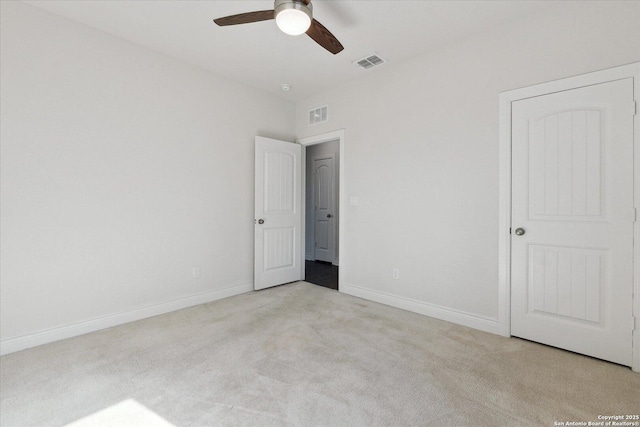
(122, 169)
(330, 147)
(422, 154)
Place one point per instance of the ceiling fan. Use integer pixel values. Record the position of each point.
(293, 17)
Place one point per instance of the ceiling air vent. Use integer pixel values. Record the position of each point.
(318, 115)
(369, 61)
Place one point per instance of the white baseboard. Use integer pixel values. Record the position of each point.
(308, 256)
(443, 313)
(12, 345)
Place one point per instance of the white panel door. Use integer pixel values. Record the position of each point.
(323, 209)
(278, 213)
(572, 220)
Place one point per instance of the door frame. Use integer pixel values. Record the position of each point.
(313, 197)
(504, 212)
(338, 135)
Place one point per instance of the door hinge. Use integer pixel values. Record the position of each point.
(634, 324)
(634, 108)
(635, 214)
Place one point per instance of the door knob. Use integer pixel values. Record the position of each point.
(329, 215)
(520, 231)
(261, 221)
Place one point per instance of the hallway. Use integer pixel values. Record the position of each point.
(322, 274)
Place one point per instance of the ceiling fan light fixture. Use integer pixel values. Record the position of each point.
(293, 17)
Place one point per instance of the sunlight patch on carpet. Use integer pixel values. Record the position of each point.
(127, 413)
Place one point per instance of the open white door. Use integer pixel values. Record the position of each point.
(278, 213)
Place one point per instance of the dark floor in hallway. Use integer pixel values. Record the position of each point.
(322, 274)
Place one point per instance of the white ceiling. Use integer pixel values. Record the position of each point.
(259, 55)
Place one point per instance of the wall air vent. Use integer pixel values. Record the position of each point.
(369, 61)
(318, 115)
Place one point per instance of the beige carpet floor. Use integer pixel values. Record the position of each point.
(304, 355)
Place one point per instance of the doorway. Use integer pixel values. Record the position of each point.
(321, 213)
(323, 208)
(568, 217)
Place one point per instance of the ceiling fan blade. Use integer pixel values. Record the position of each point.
(245, 18)
(324, 38)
